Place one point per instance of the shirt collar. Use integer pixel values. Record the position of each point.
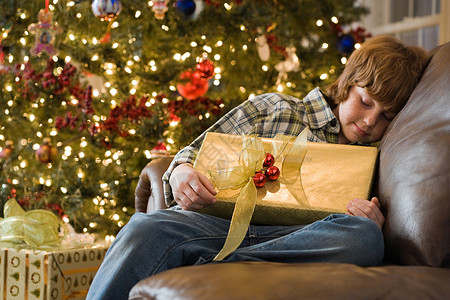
(319, 111)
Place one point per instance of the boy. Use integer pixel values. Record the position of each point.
(374, 86)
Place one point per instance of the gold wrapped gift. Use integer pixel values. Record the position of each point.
(316, 179)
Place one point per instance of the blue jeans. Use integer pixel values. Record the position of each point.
(166, 239)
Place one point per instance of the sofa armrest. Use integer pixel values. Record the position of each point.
(264, 281)
(149, 193)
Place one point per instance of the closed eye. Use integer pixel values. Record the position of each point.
(363, 102)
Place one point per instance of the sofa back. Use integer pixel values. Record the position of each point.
(414, 170)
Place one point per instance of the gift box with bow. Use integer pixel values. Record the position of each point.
(38, 259)
(316, 180)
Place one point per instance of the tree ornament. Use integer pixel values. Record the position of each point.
(106, 10)
(346, 44)
(263, 45)
(196, 82)
(46, 152)
(259, 179)
(160, 8)
(206, 68)
(160, 150)
(185, 7)
(348, 36)
(190, 9)
(291, 64)
(45, 33)
(269, 160)
(8, 150)
(196, 87)
(272, 173)
(360, 34)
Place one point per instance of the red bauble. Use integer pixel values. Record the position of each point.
(196, 87)
(269, 160)
(273, 173)
(259, 179)
(205, 68)
(46, 153)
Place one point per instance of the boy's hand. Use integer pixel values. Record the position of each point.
(368, 209)
(191, 189)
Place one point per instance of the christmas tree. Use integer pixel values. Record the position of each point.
(89, 88)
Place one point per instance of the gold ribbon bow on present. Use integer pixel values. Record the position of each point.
(241, 176)
(37, 228)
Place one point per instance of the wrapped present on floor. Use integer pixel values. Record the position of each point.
(314, 180)
(39, 260)
(49, 274)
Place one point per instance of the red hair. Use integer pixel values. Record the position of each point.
(386, 68)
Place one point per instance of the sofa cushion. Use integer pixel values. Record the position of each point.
(264, 281)
(414, 170)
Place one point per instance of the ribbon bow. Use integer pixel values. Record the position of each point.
(241, 176)
(37, 228)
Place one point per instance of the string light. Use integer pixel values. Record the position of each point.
(323, 76)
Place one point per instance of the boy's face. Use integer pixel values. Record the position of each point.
(362, 118)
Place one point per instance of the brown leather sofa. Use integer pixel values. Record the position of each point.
(413, 183)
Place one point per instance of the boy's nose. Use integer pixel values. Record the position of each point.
(370, 120)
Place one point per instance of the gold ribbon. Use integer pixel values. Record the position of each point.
(36, 228)
(241, 176)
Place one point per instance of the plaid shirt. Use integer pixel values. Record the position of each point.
(267, 115)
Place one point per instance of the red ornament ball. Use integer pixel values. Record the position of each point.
(273, 173)
(196, 87)
(47, 152)
(269, 160)
(205, 68)
(259, 179)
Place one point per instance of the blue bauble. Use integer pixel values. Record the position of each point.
(346, 44)
(185, 7)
